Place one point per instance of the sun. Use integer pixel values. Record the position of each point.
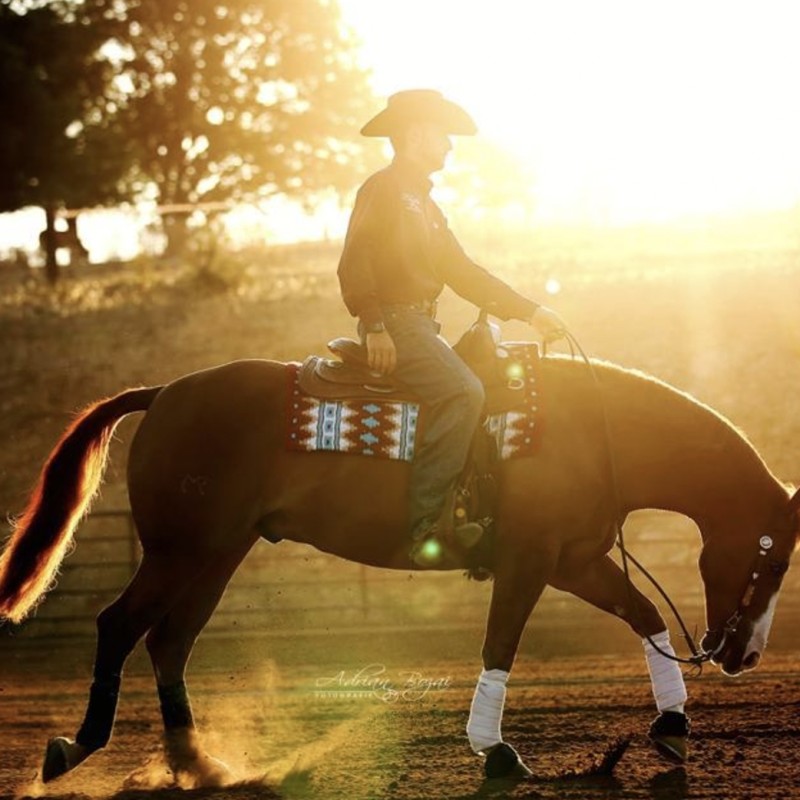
(623, 111)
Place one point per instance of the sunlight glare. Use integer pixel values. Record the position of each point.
(626, 111)
(552, 286)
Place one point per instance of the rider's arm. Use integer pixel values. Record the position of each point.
(478, 286)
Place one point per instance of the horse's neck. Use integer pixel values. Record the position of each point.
(676, 454)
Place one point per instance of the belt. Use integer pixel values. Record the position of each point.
(427, 307)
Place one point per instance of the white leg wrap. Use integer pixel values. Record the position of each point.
(486, 711)
(669, 689)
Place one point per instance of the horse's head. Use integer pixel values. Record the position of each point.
(742, 579)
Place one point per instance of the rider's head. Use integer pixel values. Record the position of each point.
(419, 123)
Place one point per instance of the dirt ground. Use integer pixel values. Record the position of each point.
(355, 729)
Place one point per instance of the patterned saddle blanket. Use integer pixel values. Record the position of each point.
(385, 421)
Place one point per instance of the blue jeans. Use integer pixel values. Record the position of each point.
(453, 397)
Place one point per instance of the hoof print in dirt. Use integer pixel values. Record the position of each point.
(502, 761)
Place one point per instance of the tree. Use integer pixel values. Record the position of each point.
(58, 143)
(234, 99)
(205, 100)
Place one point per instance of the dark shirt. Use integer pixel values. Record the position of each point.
(399, 249)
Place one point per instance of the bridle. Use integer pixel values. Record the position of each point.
(719, 635)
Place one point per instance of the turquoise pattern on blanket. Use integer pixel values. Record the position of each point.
(384, 429)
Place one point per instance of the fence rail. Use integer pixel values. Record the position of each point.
(290, 588)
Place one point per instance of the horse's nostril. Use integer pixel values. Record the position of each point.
(751, 662)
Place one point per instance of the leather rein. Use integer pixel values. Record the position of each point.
(719, 635)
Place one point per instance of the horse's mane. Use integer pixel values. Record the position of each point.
(654, 391)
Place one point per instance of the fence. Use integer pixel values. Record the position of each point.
(289, 588)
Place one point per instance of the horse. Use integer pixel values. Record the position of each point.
(209, 474)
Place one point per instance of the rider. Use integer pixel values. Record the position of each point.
(398, 254)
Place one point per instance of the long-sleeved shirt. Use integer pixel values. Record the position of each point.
(399, 249)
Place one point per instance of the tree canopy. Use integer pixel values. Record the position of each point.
(57, 147)
(184, 101)
(233, 98)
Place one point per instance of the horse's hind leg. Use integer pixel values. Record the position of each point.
(169, 643)
(154, 588)
(603, 584)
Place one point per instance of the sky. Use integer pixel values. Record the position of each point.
(623, 111)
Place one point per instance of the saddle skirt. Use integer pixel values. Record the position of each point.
(342, 406)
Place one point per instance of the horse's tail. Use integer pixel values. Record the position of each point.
(67, 484)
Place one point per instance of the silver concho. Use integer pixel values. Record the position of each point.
(765, 542)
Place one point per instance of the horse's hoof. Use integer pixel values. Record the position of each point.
(502, 761)
(61, 756)
(192, 767)
(669, 734)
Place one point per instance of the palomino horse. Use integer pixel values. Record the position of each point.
(209, 475)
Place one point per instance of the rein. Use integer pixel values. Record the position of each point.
(700, 655)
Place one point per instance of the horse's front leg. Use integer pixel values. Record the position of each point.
(603, 584)
(520, 577)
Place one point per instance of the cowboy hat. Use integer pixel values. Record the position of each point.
(419, 105)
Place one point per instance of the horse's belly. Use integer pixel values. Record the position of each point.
(352, 506)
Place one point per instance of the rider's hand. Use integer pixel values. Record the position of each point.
(550, 326)
(381, 352)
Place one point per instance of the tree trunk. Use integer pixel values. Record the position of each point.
(174, 226)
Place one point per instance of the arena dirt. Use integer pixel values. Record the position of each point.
(397, 731)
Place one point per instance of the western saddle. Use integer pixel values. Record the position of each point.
(348, 376)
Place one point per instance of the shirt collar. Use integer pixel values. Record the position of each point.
(411, 174)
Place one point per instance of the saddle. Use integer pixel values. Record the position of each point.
(502, 370)
(349, 377)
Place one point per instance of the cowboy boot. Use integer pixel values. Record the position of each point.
(439, 544)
